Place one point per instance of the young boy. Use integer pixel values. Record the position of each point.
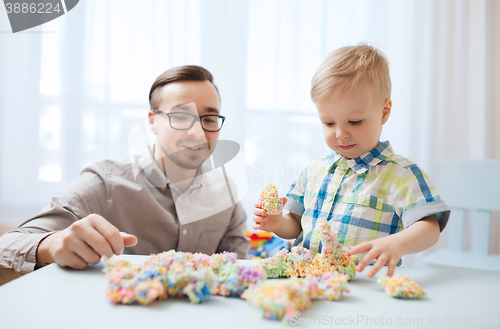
(377, 202)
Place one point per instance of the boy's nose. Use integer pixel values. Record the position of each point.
(342, 133)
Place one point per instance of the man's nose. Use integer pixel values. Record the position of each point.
(196, 129)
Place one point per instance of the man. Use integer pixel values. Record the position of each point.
(135, 206)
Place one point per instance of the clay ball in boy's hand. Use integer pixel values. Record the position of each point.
(270, 200)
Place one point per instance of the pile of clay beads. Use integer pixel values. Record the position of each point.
(283, 299)
(171, 273)
(299, 262)
(400, 286)
(270, 200)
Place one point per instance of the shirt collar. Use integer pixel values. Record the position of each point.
(364, 162)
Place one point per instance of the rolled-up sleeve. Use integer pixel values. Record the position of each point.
(416, 197)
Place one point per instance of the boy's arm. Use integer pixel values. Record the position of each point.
(289, 226)
(285, 226)
(420, 236)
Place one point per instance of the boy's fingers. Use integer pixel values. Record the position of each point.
(367, 259)
(285, 200)
(259, 219)
(361, 266)
(391, 266)
(256, 227)
(257, 204)
(381, 261)
(360, 248)
(259, 212)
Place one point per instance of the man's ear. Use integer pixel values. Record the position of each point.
(151, 119)
(386, 111)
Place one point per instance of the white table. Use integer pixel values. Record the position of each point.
(55, 297)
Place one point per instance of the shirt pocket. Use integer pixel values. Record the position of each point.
(210, 238)
(366, 212)
(366, 200)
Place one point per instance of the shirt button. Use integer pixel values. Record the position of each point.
(179, 199)
(184, 232)
(162, 188)
(329, 198)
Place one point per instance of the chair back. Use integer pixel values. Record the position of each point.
(472, 185)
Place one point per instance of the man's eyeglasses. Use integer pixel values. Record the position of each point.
(184, 121)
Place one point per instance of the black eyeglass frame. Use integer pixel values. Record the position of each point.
(195, 118)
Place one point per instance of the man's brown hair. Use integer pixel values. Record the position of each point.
(180, 73)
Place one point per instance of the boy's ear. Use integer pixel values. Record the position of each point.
(386, 111)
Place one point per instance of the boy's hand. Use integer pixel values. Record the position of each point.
(386, 251)
(266, 222)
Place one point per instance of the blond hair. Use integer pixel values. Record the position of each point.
(344, 68)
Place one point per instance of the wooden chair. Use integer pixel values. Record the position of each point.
(474, 186)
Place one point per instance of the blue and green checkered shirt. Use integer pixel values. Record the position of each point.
(370, 197)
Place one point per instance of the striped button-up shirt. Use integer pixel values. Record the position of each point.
(366, 198)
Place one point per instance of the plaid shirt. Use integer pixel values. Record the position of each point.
(366, 198)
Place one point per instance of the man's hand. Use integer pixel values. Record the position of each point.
(266, 222)
(386, 251)
(83, 243)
